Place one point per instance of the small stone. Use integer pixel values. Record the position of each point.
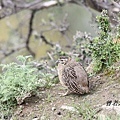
(43, 118)
(35, 119)
(53, 108)
(69, 108)
(26, 104)
(22, 115)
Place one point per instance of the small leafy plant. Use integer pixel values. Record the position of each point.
(19, 80)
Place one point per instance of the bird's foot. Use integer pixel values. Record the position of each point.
(64, 94)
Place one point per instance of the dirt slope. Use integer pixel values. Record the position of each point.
(47, 106)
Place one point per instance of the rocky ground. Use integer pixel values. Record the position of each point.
(102, 103)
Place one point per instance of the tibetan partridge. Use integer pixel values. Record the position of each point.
(72, 76)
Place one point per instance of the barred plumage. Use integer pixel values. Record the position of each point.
(73, 76)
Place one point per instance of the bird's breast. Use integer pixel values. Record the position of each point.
(60, 76)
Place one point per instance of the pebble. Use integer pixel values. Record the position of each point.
(53, 108)
(43, 118)
(36, 119)
(69, 108)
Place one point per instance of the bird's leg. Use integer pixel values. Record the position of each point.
(65, 94)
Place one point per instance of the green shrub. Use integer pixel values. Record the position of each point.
(104, 51)
(18, 80)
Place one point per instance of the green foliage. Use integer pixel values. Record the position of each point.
(18, 80)
(103, 25)
(104, 51)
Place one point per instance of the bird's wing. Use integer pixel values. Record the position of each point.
(82, 79)
(80, 71)
(70, 78)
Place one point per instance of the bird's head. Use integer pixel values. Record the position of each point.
(63, 60)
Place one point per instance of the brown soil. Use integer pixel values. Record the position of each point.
(47, 106)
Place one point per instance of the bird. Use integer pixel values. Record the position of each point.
(72, 76)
